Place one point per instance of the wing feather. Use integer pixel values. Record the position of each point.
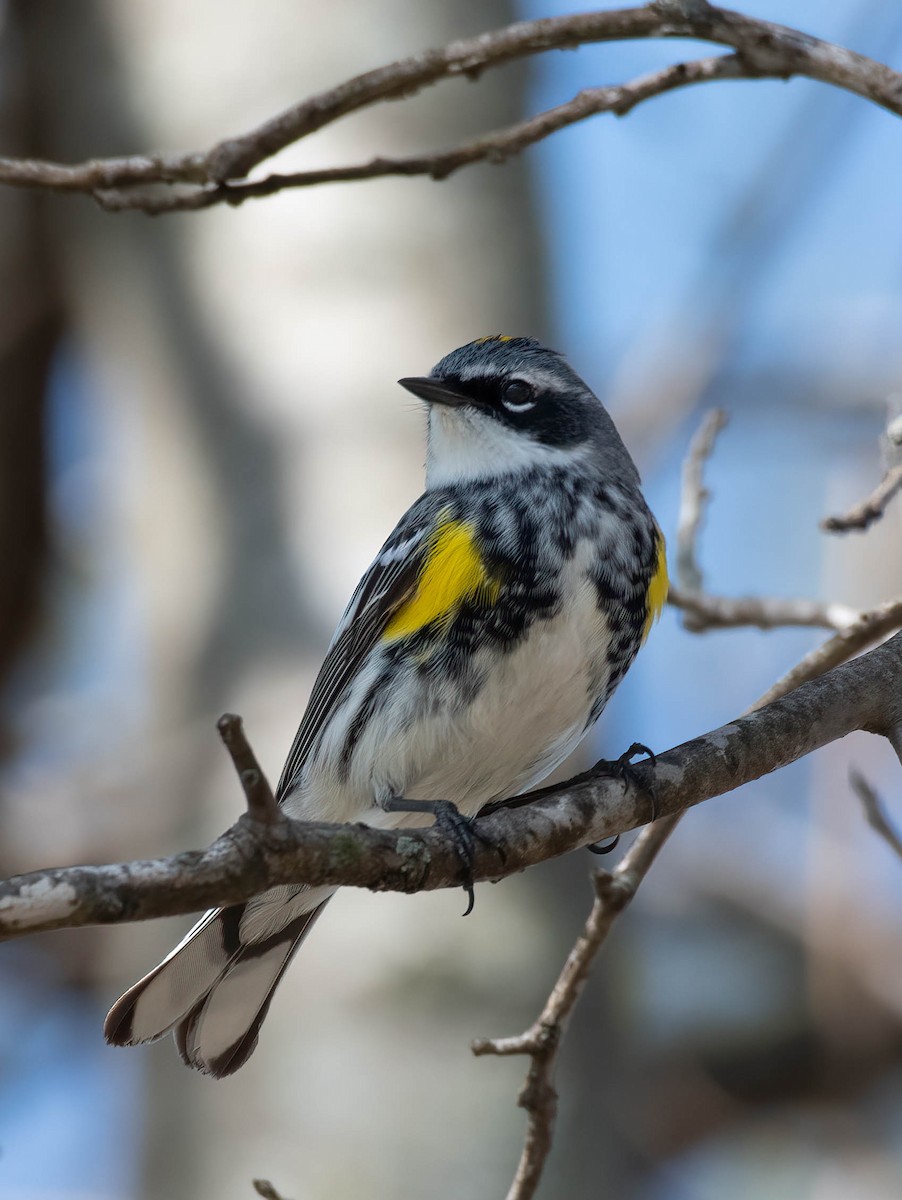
(388, 583)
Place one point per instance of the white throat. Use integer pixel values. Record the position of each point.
(465, 445)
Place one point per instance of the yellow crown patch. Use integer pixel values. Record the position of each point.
(493, 337)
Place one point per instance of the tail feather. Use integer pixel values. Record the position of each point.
(213, 990)
(220, 1033)
(152, 1006)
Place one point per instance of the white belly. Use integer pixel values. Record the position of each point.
(526, 717)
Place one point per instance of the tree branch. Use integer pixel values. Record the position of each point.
(253, 856)
(613, 892)
(261, 803)
(200, 179)
(494, 147)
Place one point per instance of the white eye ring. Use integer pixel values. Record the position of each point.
(518, 396)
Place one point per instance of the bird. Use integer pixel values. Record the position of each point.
(476, 652)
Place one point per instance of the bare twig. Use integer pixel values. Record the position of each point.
(265, 1189)
(173, 182)
(542, 1041)
(875, 812)
(261, 803)
(251, 856)
(869, 628)
(495, 147)
(693, 498)
(871, 509)
(703, 612)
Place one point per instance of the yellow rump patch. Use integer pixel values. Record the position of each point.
(657, 589)
(452, 573)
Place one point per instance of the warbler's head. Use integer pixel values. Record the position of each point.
(504, 404)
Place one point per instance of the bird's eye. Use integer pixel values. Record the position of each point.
(517, 396)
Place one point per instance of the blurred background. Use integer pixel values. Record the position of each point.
(201, 448)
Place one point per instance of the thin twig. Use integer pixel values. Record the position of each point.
(869, 628)
(265, 1189)
(542, 1041)
(261, 804)
(872, 508)
(869, 510)
(703, 611)
(875, 812)
(200, 179)
(496, 147)
(694, 496)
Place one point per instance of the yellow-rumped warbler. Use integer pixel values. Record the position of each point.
(477, 650)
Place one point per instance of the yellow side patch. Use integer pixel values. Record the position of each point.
(657, 589)
(452, 573)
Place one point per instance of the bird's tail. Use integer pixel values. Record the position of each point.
(212, 991)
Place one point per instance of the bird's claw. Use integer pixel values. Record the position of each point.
(621, 768)
(604, 847)
(464, 834)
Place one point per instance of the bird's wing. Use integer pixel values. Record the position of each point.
(386, 586)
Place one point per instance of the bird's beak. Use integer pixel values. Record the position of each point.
(434, 391)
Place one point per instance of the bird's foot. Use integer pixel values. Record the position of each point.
(460, 831)
(622, 768)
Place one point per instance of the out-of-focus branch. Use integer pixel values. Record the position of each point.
(173, 182)
(871, 509)
(875, 812)
(702, 611)
(265, 1189)
(870, 627)
(541, 1042)
(694, 496)
(894, 737)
